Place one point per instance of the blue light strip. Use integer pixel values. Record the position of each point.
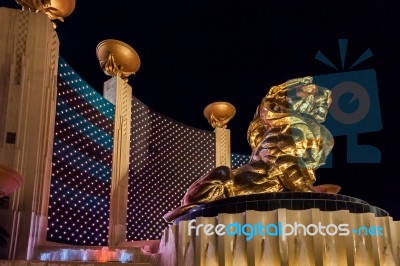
(73, 80)
(76, 121)
(80, 161)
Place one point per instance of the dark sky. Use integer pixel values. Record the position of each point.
(196, 52)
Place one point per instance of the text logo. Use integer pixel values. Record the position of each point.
(355, 105)
(280, 230)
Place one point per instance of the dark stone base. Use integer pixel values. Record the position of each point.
(286, 200)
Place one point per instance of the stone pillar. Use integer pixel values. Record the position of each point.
(218, 115)
(222, 147)
(28, 75)
(118, 91)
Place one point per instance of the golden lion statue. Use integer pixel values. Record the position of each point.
(288, 144)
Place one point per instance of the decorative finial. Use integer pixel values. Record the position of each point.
(54, 9)
(117, 58)
(218, 114)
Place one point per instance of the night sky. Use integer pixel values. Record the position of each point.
(197, 52)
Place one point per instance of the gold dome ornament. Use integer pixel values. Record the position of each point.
(54, 9)
(117, 58)
(218, 114)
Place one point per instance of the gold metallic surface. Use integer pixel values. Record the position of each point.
(327, 188)
(117, 58)
(54, 9)
(294, 249)
(288, 144)
(286, 132)
(218, 114)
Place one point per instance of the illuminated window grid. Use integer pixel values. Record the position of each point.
(82, 154)
(166, 158)
(238, 160)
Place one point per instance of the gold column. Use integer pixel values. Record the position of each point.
(231, 248)
(28, 75)
(205, 246)
(120, 159)
(119, 60)
(185, 241)
(222, 147)
(218, 115)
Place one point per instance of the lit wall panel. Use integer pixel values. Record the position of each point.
(166, 157)
(82, 154)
